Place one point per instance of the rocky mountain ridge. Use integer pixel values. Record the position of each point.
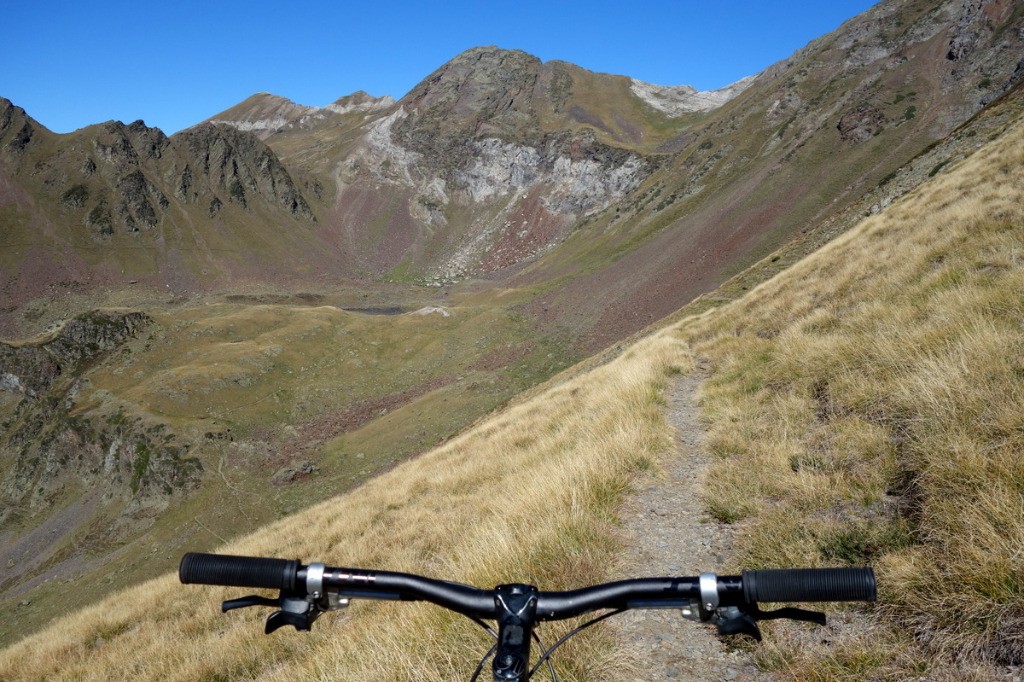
(265, 114)
(496, 158)
(77, 209)
(123, 177)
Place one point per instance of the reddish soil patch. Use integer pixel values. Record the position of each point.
(688, 259)
(502, 357)
(530, 228)
(312, 433)
(354, 227)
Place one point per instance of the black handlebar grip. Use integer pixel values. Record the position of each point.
(238, 571)
(809, 584)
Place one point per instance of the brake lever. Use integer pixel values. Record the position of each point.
(251, 600)
(742, 620)
(294, 608)
(741, 624)
(791, 613)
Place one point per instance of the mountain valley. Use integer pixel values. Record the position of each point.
(209, 331)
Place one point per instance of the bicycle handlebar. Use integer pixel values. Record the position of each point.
(776, 585)
(730, 602)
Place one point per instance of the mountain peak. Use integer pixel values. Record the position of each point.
(17, 128)
(482, 88)
(480, 72)
(490, 51)
(264, 113)
(360, 100)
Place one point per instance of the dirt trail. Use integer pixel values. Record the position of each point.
(669, 533)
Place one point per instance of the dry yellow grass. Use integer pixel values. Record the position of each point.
(868, 407)
(528, 495)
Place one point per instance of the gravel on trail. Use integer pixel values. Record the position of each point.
(668, 532)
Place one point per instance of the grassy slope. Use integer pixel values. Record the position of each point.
(867, 408)
(252, 389)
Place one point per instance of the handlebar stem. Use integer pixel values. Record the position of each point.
(516, 607)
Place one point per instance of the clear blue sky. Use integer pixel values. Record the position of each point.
(72, 63)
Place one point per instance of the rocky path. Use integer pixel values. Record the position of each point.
(669, 533)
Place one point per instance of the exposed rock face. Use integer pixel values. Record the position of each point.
(288, 474)
(126, 147)
(472, 135)
(262, 114)
(127, 179)
(682, 99)
(360, 102)
(381, 156)
(140, 200)
(50, 446)
(17, 129)
(8, 111)
(92, 334)
(239, 166)
(31, 369)
(974, 18)
(26, 370)
(861, 124)
(484, 92)
(127, 459)
(576, 184)
(984, 31)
